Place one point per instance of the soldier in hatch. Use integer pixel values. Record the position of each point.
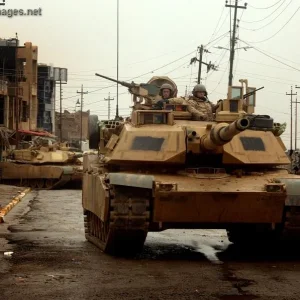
(199, 106)
(166, 92)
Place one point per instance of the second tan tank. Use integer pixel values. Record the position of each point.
(41, 166)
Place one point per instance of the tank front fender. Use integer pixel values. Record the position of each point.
(134, 180)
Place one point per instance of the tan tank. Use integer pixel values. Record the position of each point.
(160, 170)
(41, 166)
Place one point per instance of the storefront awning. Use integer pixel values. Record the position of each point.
(37, 133)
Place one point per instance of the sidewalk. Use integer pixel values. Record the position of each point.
(9, 197)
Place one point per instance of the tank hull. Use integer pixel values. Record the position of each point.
(131, 203)
(41, 176)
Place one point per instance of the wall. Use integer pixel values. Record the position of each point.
(71, 125)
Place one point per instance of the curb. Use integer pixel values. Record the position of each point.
(4, 211)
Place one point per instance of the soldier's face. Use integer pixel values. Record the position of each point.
(200, 94)
(166, 93)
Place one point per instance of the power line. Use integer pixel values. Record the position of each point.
(214, 32)
(257, 21)
(219, 37)
(271, 56)
(278, 30)
(185, 63)
(265, 7)
(162, 66)
(256, 29)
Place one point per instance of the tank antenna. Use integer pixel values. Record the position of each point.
(117, 104)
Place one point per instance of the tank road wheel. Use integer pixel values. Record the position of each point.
(126, 230)
(40, 183)
(33, 183)
(49, 183)
(24, 182)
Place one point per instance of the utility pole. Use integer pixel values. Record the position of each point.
(296, 119)
(296, 125)
(60, 107)
(108, 99)
(59, 78)
(291, 133)
(17, 109)
(200, 63)
(200, 60)
(232, 42)
(81, 106)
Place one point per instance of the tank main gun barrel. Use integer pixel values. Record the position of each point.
(223, 133)
(124, 83)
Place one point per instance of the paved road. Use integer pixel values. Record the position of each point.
(52, 260)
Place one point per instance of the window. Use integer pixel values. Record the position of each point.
(236, 93)
(24, 111)
(252, 97)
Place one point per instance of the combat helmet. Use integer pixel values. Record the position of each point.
(199, 88)
(166, 86)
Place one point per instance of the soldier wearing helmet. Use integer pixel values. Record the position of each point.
(166, 92)
(200, 107)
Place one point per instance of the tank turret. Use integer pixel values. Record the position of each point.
(223, 133)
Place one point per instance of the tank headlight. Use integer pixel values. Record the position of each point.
(275, 187)
(166, 187)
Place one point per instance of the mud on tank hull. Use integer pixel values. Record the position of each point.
(40, 176)
(123, 208)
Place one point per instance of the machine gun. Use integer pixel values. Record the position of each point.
(252, 92)
(142, 91)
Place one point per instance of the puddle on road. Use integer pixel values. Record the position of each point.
(189, 244)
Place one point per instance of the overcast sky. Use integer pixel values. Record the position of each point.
(81, 36)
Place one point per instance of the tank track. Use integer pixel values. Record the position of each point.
(125, 231)
(39, 183)
(289, 229)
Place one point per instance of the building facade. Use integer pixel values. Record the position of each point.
(3, 103)
(19, 71)
(46, 98)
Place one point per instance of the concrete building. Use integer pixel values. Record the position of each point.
(71, 126)
(19, 69)
(46, 98)
(3, 103)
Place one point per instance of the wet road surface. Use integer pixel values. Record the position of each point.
(52, 260)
